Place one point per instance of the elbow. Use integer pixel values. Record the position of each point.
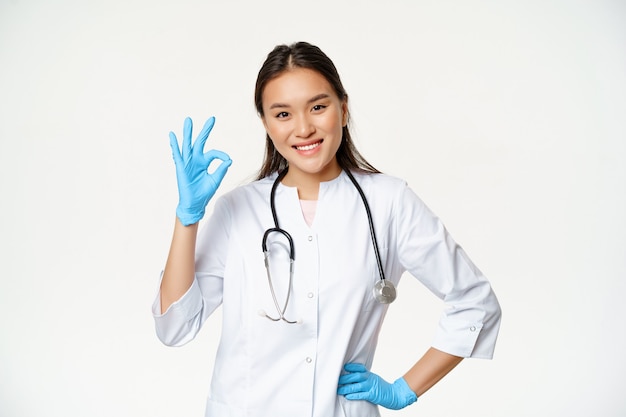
(496, 310)
(176, 330)
(491, 329)
(174, 337)
(179, 323)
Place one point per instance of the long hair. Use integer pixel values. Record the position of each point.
(305, 55)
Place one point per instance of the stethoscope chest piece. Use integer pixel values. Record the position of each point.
(384, 291)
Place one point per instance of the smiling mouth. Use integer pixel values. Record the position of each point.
(309, 146)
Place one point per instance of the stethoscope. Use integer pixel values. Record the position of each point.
(384, 291)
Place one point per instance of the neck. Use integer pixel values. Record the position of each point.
(308, 193)
(308, 185)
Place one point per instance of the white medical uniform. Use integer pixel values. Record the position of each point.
(275, 369)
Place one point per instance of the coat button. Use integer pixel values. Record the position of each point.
(310, 295)
(310, 238)
(473, 329)
(309, 360)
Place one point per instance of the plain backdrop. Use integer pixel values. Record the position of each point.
(506, 117)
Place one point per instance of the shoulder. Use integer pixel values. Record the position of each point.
(392, 192)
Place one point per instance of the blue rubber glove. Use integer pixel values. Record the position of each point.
(195, 185)
(360, 384)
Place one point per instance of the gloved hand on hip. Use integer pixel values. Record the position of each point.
(196, 185)
(360, 384)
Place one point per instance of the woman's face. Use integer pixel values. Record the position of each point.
(304, 117)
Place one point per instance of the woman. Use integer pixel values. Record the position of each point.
(301, 321)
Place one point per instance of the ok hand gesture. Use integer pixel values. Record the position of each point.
(196, 185)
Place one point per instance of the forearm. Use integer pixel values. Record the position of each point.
(433, 366)
(358, 383)
(179, 269)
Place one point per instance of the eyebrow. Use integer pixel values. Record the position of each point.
(311, 100)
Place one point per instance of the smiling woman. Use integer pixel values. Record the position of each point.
(284, 59)
(304, 119)
(313, 356)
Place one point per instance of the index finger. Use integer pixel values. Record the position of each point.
(221, 169)
(352, 378)
(354, 367)
(215, 154)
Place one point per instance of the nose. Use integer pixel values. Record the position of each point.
(304, 126)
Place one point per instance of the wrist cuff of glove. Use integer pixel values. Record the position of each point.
(188, 219)
(404, 391)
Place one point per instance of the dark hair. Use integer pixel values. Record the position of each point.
(304, 55)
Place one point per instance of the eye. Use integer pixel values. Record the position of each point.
(282, 115)
(319, 107)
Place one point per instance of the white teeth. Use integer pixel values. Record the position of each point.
(308, 147)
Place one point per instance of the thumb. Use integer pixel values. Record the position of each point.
(220, 171)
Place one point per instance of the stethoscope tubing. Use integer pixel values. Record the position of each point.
(292, 255)
(381, 272)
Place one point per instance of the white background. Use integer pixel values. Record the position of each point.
(506, 117)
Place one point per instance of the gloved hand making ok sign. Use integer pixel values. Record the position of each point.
(196, 185)
(361, 384)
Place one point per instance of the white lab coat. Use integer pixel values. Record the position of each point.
(266, 368)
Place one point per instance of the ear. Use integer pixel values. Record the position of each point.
(344, 112)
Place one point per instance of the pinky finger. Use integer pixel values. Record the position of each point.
(175, 149)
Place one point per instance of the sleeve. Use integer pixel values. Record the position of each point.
(470, 321)
(182, 321)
